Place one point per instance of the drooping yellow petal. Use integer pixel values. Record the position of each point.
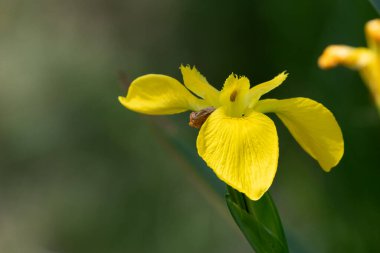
(198, 84)
(355, 58)
(257, 91)
(234, 95)
(312, 125)
(243, 152)
(159, 94)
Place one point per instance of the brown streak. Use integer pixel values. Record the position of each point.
(233, 96)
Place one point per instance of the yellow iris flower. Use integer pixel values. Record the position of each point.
(237, 141)
(365, 60)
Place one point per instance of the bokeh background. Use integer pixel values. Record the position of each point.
(79, 173)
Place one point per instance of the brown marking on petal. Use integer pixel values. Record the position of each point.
(198, 118)
(233, 96)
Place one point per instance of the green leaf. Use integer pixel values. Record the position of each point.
(259, 221)
(376, 4)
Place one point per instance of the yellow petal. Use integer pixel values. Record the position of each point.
(243, 152)
(198, 84)
(257, 91)
(372, 29)
(351, 57)
(159, 94)
(234, 95)
(312, 125)
(371, 74)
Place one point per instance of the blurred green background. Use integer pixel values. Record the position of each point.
(79, 173)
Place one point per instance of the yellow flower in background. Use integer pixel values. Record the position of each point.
(236, 140)
(365, 60)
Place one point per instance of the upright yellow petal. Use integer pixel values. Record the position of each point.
(312, 125)
(257, 91)
(198, 84)
(372, 30)
(160, 94)
(371, 74)
(243, 152)
(234, 95)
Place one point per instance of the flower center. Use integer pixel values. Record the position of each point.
(233, 96)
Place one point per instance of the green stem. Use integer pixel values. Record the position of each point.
(259, 221)
(237, 197)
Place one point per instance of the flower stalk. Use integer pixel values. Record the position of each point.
(259, 221)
